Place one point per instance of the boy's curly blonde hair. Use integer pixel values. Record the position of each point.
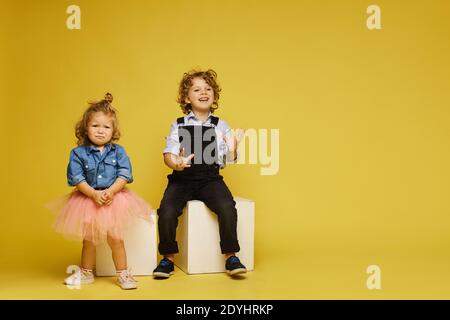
(103, 106)
(210, 76)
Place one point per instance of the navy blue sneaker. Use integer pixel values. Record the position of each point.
(234, 266)
(164, 269)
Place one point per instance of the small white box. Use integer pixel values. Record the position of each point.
(140, 246)
(199, 240)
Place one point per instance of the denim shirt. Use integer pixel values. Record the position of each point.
(99, 170)
(223, 129)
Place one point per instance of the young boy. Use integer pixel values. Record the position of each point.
(199, 145)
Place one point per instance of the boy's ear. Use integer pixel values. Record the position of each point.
(186, 100)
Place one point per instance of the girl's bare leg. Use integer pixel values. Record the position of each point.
(118, 253)
(88, 255)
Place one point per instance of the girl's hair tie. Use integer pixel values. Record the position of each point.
(108, 97)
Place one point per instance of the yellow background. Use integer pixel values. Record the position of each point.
(363, 119)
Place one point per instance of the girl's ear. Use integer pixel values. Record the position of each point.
(186, 100)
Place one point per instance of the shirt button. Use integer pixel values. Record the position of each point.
(100, 176)
(87, 166)
(114, 161)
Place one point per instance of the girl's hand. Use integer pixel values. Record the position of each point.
(233, 139)
(107, 196)
(97, 196)
(181, 161)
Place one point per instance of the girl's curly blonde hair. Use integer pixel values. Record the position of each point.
(97, 106)
(210, 76)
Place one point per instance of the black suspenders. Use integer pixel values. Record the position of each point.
(214, 121)
(198, 170)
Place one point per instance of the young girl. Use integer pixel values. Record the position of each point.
(199, 144)
(99, 208)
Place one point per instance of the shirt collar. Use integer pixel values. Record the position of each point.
(191, 115)
(91, 148)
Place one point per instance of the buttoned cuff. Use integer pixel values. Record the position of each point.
(73, 181)
(173, 150)
(125, 174)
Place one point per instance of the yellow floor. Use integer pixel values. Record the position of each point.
(314, 275)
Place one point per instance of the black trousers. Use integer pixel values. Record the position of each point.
(217, 197)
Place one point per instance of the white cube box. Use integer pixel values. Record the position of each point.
(141, 248)
(199, 240)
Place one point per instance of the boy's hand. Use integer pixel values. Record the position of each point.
(181, 161)
(233, 140)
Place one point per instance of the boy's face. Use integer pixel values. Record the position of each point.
(200, 95)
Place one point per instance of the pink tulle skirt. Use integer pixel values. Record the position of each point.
(79, 218)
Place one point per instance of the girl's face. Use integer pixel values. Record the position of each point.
(100, 128)
(200, 95)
